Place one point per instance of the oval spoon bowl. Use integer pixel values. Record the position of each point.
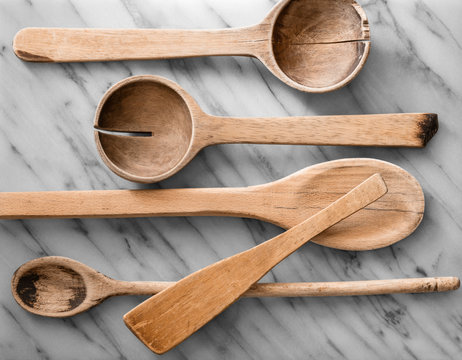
(54, 286)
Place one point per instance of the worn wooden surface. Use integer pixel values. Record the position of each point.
(46, 144)
(168, 318)
(177, 129)
(285, 202)
(57, 286)
(314, 46)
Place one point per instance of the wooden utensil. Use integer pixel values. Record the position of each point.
(285, 202)
(313, 46)
(57, 286)
(177, 129)
(168, 318)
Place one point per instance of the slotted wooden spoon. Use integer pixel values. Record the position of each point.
(168, 318)
(313, 46)
(285, 202)
(175, 129)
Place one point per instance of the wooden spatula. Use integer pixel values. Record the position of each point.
(168, 318)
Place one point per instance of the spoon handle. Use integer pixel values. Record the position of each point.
(168, 318)
(74, 45)
(313, 289)
(245, 202)
(408, 129)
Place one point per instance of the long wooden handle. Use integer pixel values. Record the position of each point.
(130, 203)
(168, 318)
(72, 45)
(314, 289)
(408, 129)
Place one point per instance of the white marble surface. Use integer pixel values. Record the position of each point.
(46, 143)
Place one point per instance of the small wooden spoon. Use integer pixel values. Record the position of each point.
(168, 318)
(57, 286)
(313, 46)
(177, 129)
(285, 202)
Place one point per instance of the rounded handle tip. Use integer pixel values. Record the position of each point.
(447, 283)
(23, 44)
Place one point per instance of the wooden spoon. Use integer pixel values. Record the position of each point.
(286, 202)
(57, 286)
(177, 129)
(313, 46)
(168, 318)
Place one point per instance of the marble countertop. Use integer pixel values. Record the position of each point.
(46, 143)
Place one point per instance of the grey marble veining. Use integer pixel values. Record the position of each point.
(46, 143)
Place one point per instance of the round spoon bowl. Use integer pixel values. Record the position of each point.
(53, 286)
(157, 115)
(318, 46)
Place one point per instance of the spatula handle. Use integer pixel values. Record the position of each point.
(407, 130)
(74, 45)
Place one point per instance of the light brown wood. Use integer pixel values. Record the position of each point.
(178, 129)
(353, 288)
(318, 43)
(57, 286)
(285, 202)
(168, 318)
(311, 45)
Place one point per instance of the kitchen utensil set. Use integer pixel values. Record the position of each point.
(349, 204)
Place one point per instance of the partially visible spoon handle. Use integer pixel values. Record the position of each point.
(74, 45)
(136, 203)
(312, 289)
(407, 130)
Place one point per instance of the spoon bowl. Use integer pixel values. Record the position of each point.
(311, 45)
(167, 128)
(56, 286)
(155, 108)
(317, 46)
(61, 287)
